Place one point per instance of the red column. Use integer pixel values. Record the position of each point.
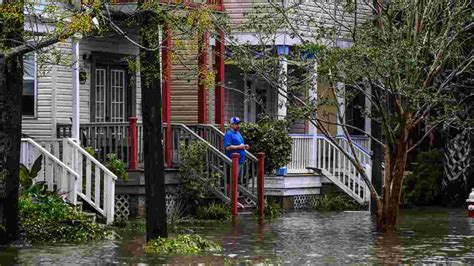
(166, 92)
(260, 188)
(133, 162)
(203, 72)
(234, 182)
(220, 80)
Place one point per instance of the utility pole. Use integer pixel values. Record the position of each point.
(152, 134)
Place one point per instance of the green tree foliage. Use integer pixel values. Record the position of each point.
(271, 137)
(182, 244)
(398, 59)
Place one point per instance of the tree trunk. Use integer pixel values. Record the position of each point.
(153, 147)
(387, 213)
(11, 75)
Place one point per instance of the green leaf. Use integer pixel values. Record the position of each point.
(36, 167)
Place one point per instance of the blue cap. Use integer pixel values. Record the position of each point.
(235, 120)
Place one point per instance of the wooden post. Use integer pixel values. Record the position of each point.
(260, 184)
(220, 81)
(133, 161)
(234, 182)
(166, 59)
(152, 134)
(203, 73)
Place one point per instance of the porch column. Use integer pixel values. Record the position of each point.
(313, 95)
(75, 88)
(340, 92)
(220, 80)
(283, 51)
(202, 78)
(166, 101)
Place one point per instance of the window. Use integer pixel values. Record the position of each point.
(29, 85)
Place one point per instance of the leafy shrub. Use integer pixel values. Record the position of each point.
(176, 212)
(334, 202)
(116, 166)
(49, 219)
(271, 137)
(181, 244)
(272, 209)
(214, 211)
(27, 175)
(193, 163)
(423, 187)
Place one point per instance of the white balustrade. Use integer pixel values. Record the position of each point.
(55, 173)
(96, 183)
(70, 169)
(319, 152)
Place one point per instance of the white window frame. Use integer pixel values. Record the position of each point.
(35, 87)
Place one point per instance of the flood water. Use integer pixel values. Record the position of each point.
(297, 238)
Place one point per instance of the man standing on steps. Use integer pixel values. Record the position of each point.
(234, 143)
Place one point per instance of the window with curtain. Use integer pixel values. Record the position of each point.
(29, 85)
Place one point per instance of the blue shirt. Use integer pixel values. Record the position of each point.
(233, 137)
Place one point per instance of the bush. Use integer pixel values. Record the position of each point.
(214, 211)
(272, 209)
(271, 137)
(334, 202)
(116, 166)
(182, 244)
(49, 219)
(192, 167)
(423, 187)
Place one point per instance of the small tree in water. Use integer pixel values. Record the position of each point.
(399, 62)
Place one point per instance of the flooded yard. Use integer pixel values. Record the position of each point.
(428, 236)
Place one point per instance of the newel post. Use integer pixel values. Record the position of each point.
(133, 162)
(233, 182)
(260, 186)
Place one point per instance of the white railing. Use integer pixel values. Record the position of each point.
(338, 168)
(55, 173)
(319, 152)
(96, 183)
(302, 153)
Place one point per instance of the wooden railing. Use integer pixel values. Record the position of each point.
(96, 183)
(55, 173)
(303, 152)
(217, 168)
(319, 152)
(63, 158)
(113, 137)
(215, 137)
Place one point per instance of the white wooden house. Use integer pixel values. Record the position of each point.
(90, 103)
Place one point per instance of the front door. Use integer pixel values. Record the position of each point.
(110, 90)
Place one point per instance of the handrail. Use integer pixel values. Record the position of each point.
(218, 131)
(214, 149)
(90, 157)
(51, 157)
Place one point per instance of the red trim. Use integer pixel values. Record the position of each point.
(260, 188)
(203, 73)
(166, 101)
(233, 183)
(133, 163)
(220, 81)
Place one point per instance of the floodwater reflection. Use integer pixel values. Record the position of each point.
(428, 236)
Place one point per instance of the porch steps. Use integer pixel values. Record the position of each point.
(69, 169)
